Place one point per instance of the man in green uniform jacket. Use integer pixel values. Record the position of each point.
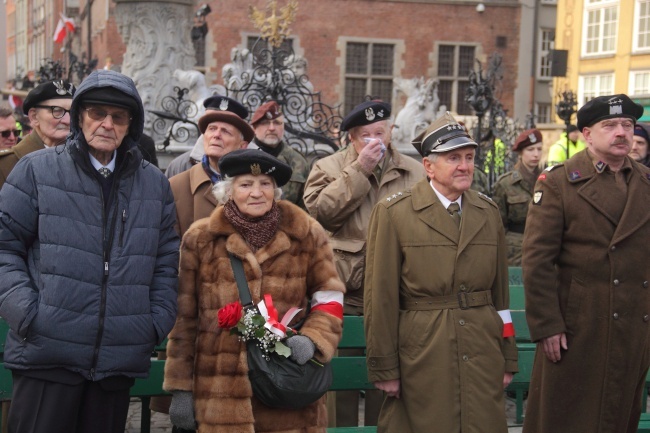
(440, 341)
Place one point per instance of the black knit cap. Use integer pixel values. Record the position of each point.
(366, 113)
(608, 107)
(110, 96)
(255, 162)
(57, 89)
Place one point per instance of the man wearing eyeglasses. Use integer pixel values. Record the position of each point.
(48, 109)
(8, 132)
(586, 277)
(88, 266)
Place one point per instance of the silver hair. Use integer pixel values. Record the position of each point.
(222, 190)
(432, 157)
(387, 122)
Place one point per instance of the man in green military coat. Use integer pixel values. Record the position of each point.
(585, 269)
(440, 341)
(47, 106)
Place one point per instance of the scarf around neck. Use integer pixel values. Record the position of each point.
(257, 232)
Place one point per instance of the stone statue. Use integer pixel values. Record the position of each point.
(157, 38)
(421, 108)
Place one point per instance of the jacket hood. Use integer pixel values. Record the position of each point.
(106, 78)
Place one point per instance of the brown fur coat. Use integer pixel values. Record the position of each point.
(210, 362)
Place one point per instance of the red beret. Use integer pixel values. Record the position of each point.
(527, 138)
(269, 110)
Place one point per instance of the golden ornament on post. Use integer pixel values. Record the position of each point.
(274, 28)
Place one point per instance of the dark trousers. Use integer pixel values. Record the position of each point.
(41, 406)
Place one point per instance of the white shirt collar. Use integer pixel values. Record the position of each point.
(98, 165)
(444, 200)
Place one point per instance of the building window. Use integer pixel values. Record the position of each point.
(455, 62)
(591, 86)
(641, 25)
(639, 83)
(542, 113)
(368, 71)
(599, 33)
(546, 40)
(549, 2)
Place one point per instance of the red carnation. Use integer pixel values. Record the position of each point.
(229, 315)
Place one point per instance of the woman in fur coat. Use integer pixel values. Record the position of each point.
(286, 254)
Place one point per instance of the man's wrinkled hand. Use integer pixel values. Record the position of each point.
(390, 387)
(552, 346)
(370, 155)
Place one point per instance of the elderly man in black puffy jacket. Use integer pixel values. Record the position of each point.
(88, 266)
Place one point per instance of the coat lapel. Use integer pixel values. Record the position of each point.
(472, 219)
(432, 212)
(197, 178)
(637, 207)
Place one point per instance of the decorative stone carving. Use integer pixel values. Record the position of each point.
(422, 107)
(158, 42)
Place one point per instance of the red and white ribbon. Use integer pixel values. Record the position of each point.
(328, 301)
(269, 312)
(508, 327)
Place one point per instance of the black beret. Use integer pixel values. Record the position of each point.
(110, 96)
(641, 130)
(608, 107)
(57, 89)
(224, 103)
(366, 113)
(255, 162)
(443, 135)
(527, 138)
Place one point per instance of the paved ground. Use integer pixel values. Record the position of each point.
(160, 422)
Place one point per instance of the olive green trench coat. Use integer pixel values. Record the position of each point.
(450, 361)
(586, 274)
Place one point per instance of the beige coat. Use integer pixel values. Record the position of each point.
(586, 273)
(210, 362)
(450, 361)
(341, 197)
(9, 157)
(193, 197)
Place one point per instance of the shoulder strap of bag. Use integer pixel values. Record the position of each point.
(242, 284)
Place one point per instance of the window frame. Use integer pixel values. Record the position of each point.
(600, 6)
(632, 83)
(582, 97)
(455, 77)
(637, 25)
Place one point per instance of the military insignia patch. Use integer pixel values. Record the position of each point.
(542, 176)
(575, 175)
(370, 114)
(600, 166)
(223, 105)
(256, 170)
(537, 198)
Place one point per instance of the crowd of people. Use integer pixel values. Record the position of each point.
(103, 256)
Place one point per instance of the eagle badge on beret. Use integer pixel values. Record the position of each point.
(60, 88)
(532, 138)
(223, 106)
(370, 114)
(615, 106)
(256, 170)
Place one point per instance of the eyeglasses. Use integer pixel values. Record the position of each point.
(6, 134)
(57, 112)
(121, 118)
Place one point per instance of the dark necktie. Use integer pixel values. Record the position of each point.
(104, 172)
(454, 211)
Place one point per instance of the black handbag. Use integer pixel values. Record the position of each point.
(279, 382)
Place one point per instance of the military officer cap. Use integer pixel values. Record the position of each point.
(269, 110)
(444, 134)
(527, 138)
(607, 107)
(225, 109)
(366, 113)
(255, 162)
(56, 89)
